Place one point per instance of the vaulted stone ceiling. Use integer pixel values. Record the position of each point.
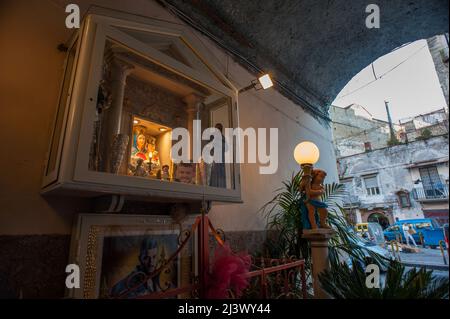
(313, 47)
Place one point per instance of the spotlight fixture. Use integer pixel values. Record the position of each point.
(135, 121)
(263, 82)
(162, 129)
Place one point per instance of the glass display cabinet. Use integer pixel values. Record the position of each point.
(129, 84)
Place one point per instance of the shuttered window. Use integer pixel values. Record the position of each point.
(371, 184)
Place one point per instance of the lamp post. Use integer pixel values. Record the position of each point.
(306, 154)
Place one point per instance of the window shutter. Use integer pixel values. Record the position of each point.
(371, 182)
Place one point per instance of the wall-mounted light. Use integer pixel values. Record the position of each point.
(162, 129)
(263, 82)
(136, 121)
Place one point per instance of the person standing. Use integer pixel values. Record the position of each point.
(407, 232)
(218, 173)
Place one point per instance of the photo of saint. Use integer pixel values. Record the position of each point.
(128, 275)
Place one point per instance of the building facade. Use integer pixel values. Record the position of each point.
(424, 126)
(404, 181)
(438, 46)
(356, 131)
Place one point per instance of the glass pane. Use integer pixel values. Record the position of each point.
(151, 123)
(62, 105)
(430, 177)
(370, 181)
(404, 200)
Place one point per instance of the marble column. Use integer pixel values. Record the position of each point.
(194, 104)
(117, 141)
(319, 241)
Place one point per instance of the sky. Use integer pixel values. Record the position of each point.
(412, 88)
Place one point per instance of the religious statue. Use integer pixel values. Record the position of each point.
(163, 173)
(218, 172)
(314, 211)
(139, 169)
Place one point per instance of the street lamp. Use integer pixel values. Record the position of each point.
(315, 230)
(306, 154)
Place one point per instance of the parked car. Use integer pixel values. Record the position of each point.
(373, 230)
(372, 246)
(431, 231)
(368, 245)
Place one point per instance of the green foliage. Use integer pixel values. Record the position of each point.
(284, 216)
(342, 282)
(393, 141)
(425, 134)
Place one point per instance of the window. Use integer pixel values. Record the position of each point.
(393, 228)
(423, 225)
(432, 185)
(348, 185)
(371, 184)
(403, 199)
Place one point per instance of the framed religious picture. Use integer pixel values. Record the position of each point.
(149, 149)
(132, 256)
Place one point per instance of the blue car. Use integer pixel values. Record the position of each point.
(431, 231)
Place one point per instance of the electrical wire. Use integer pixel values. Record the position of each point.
(382, 75)
(297, 98)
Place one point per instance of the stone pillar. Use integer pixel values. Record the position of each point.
(318, 239)
(117, 141)
(193, 103)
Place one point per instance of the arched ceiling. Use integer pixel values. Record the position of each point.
(312, 48)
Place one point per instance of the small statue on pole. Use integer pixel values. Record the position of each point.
(314, 210)
(311, 187)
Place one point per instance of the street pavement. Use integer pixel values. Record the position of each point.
(426, 257)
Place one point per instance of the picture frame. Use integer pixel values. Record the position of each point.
(116, 255)
(185, 173)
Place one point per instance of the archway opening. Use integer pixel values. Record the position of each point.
(380, 219)
(395, 113)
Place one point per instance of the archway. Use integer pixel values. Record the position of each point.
(312, 48)
(380, 219)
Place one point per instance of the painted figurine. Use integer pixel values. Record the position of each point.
(313, 209)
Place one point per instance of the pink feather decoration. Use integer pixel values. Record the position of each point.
(227, 273)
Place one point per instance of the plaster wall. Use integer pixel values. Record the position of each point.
(390, 165)
(31, 74)
(353, 126)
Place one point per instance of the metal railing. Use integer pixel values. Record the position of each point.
(282, 279)
(287, 276)
(436, 192)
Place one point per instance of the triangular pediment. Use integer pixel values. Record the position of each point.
(175, 48)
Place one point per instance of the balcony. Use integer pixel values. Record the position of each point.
(431, 193)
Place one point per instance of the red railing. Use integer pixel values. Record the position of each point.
(286, 271)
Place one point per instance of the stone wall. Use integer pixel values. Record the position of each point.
(438, 46)
(33, 266)
(353, 126)
(390, 165)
